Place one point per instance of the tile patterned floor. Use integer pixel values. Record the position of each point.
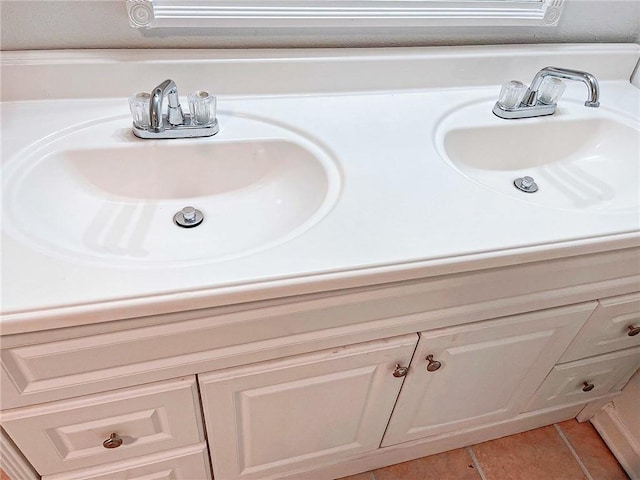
(565, 451)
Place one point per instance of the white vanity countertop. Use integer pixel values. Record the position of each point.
(402, 211)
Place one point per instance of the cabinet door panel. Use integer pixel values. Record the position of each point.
(488, 371)
(295, 413)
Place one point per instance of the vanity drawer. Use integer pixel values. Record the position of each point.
(67, 435)
(612, 326)
(586, 379)
(188, 463)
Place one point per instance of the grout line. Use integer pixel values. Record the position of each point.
(476, 463)
(573, 451)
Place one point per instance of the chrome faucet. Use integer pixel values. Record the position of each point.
(175, 123)
(168, 89)
(532, 106)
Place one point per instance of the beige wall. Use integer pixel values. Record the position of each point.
(58, 24)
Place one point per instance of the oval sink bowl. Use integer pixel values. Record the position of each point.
(581, 158)
(98, 193)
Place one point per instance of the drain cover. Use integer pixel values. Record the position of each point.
(526, 184)
(188, 217)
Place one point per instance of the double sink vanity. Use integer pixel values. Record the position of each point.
(365, 284)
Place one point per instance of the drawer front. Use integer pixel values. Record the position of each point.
(61, 436)
(189, 463)
(584, 380)
(612, 326)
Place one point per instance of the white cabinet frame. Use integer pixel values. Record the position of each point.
(342, 13)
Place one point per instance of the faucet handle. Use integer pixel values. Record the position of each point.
(511, 94)
(551, 90)
(139, 106)
(202, 106)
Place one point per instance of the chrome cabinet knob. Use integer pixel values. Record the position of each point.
(633, 330)
(587, 387)
(433, 365)
(114, 441)
(400, 371)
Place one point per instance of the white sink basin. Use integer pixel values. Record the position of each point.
(581, 158)
(96, 192)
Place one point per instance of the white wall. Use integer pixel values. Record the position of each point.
(59, 24)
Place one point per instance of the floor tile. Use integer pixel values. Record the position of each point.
(452, 465)
(534, 455)
(592, 451)
(359, 476)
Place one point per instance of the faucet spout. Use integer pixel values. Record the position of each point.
(531, 97)
(175, 116)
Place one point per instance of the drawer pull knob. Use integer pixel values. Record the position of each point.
(400, 371)
(588, 386)
(114, 441)
(433, 364)
(633, 330)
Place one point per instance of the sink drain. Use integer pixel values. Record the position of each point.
(526, 184)
(188, 217)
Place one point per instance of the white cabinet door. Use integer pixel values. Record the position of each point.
(295, 413)
(488, 371)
